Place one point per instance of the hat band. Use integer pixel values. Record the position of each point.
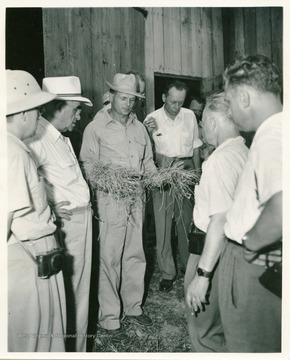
(70, 94)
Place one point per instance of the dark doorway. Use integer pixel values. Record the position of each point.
(160, 81)
(24, 41)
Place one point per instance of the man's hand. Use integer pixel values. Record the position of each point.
(196, 293)
(61, 213)
(150, 124)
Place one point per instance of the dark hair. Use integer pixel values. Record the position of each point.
(179, 85)
(48, 110)
(139, 77)
(197, 99)
(256, 71)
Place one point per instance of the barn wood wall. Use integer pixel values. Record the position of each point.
(93, 44)
(185, 42)
(257, 30)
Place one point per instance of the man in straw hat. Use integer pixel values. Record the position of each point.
(36, 306)
(116, 136)
(69, 197)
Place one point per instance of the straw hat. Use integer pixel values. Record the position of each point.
(23, 92)
(66, 87)
(126, 84)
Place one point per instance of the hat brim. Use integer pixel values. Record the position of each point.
(139, 95)
(30, 102)
(75, 98)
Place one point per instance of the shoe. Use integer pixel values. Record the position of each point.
(142, 319)
(166, 285)
(117, 335)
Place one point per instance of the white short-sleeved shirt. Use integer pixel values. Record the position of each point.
(32, 218)
(220, 176)
(57, 163)
(260, 180)
(178, 137)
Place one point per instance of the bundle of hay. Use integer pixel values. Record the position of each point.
(128, 185)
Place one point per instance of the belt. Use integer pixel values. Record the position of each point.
(182, 158)
(81, 209)
(264, 259)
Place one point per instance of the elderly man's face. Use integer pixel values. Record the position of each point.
(174, 101)
(197, 108)
(71, 113)
(122, 103)
(207, 133)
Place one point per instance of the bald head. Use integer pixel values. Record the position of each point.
(217, 121)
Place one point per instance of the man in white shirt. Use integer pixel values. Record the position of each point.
(250, 313)
(69, 197)
(174, 132)
(213, 197)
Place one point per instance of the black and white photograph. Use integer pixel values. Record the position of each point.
(143, 192)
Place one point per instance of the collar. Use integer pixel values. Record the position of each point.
(45, 126)
(267, 123)
(228, 141)
(177, 117)
(108, 119)
(17, 141)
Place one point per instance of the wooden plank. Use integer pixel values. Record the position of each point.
(239, 36)
(158, 39)
(196, 42)
(149, 61)
(186, 42)
(126, 25)
(137, 36)
(55, 42)
(250, 31)
(168, 41)
(98, 76)
(217, 42)
(176, 40)
(263, 21)
(206, 43)
(277, 36)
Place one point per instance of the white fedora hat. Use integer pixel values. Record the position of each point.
(66, 88)
(126, 84)
(23, 92)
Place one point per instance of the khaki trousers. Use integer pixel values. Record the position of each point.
(76, 238)
(36, 307)
(205, 328)
(122, 260)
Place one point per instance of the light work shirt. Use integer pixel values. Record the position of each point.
(178, 137)
(32, 217)
(109, 141)
(260, 180)
(219, 179)
(57, 163)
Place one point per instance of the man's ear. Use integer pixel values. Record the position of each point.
(111, 96)
(212, 123)
(244, 98)
(163, 98)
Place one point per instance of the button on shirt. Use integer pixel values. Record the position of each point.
(219, 179)
(178, 137)
(57, 163)
(32, 217)
(109, 141)
(260, 180)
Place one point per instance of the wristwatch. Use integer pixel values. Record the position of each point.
(204, 273)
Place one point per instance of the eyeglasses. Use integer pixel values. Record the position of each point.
(76, 110)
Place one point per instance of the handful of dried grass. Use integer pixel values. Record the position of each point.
(129, 185)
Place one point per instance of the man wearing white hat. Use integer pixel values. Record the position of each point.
(116, 136)
(36, 296)
(69, 197)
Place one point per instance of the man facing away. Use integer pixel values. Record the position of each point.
(174, 132)
(213, 197)
(115, 136)
(69, 197)
(36, 296)
(250, 313)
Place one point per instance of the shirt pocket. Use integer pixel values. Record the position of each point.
(140, 147)
(68, 172)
